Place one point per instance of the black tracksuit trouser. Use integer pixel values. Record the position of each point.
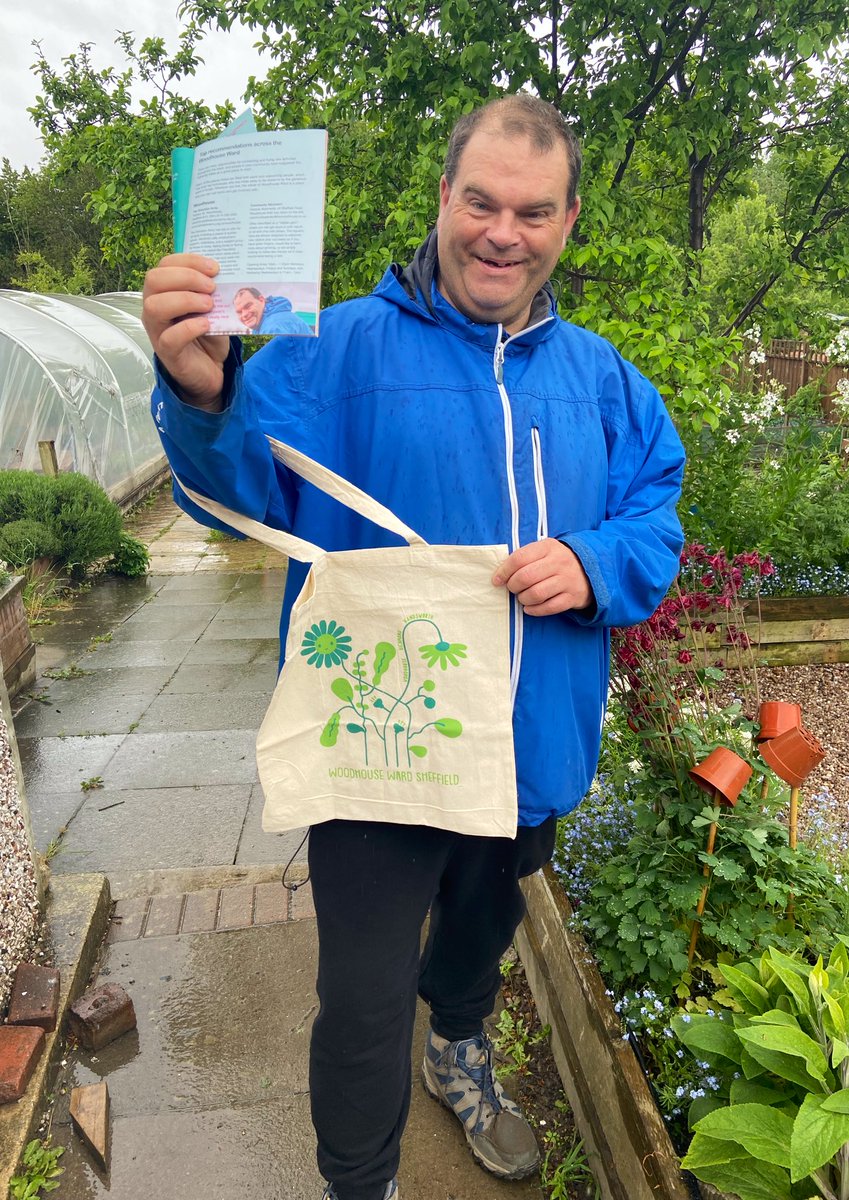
(373, 884)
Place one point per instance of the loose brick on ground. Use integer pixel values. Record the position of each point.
(20, 1048)
(35, 996)
(101, 1015)
(163, 919)
(271, 903)
(236, 907)
(200, 911)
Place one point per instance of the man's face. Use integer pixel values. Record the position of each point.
(249, 309)
(502, 226)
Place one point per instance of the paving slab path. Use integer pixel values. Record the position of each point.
(137, 744)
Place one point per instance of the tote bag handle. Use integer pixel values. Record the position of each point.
(326, 481)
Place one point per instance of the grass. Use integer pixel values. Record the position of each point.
(69, 672)
(89, 785)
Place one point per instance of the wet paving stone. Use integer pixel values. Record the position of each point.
(148, 829)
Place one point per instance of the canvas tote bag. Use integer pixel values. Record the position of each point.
(393, 703)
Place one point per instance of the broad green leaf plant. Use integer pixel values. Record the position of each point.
(778, 1129)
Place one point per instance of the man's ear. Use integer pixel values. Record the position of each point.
(571, 218)
(444, 192)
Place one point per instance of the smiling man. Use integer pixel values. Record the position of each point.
(461, 400)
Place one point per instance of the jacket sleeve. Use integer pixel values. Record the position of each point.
(222, 455)
(632, 557)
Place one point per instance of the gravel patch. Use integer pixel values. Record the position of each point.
(823, 692)
(19, 913)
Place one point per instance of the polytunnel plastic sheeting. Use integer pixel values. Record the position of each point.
(78, 372)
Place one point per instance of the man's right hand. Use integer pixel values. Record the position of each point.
(177, 299)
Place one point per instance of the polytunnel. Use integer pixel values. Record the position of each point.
(78, 371)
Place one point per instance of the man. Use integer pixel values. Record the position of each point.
(459, 399)
(267, 314)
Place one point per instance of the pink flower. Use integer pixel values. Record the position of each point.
(684, 656)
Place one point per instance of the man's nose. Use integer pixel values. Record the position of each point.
(503, 229)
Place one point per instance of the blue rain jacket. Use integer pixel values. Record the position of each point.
(470, 436)
(278, 317)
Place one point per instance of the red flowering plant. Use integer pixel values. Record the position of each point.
(669, 672)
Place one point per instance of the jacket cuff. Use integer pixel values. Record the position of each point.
(591, 615)
(232, 363)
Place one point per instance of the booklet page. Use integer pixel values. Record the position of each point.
(257, 206)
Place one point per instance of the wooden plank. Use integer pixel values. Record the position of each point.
(769, 632)
(90, 1117)
(627, 1143)
(792, 608)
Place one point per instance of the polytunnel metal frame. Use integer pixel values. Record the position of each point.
(78, 371)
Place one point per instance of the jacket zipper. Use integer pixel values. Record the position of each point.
(539, 485)
(518, 615)
(518, 628)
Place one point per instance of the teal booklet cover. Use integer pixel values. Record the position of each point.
(255, 203)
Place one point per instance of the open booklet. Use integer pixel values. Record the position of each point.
(255, 203)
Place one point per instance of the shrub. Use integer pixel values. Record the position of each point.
(22, 541)
(72, 510)
(131, 558)
(21, 495)
(87, 523)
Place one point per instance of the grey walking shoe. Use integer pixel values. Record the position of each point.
(461, 1076)
(391, 1192)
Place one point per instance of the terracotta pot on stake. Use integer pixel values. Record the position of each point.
(775, 717)
(793, 754)
(723, 774)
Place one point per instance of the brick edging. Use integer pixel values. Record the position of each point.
(240, 906)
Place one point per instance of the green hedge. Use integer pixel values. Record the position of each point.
(66, 517)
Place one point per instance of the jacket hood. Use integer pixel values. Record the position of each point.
(419, 279)
(277, 304)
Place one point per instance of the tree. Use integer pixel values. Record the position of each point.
(90, 120)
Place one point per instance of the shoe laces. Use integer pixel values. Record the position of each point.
(482, 1073)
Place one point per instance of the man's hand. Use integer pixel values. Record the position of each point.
(546, 577)
(177, 299)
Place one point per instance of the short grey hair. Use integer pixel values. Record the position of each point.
(519, 115)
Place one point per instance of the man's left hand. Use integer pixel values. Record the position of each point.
(546, 577)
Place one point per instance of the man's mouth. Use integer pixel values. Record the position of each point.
(492, 262)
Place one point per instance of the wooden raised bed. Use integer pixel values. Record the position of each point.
(789, 630)
(17, 652)
(627, 1145)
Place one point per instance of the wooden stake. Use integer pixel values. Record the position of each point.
(700, 907)
(794, 817)
(765, 787)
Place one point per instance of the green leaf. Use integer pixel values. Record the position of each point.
(817, 1136)
(352, 728)
(748, 1178)
(331, 731)
(708, 1151)
(839, 1052)
(793, 975)
(747, 991)
(448, 727)
(708, 1036)
(419, 751)
(776, 1016)
(838, 1102)
(701, 1106)
(744, 1092)
(779, 1050)
(384, 652)
(762, 1131)
(342, 689)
